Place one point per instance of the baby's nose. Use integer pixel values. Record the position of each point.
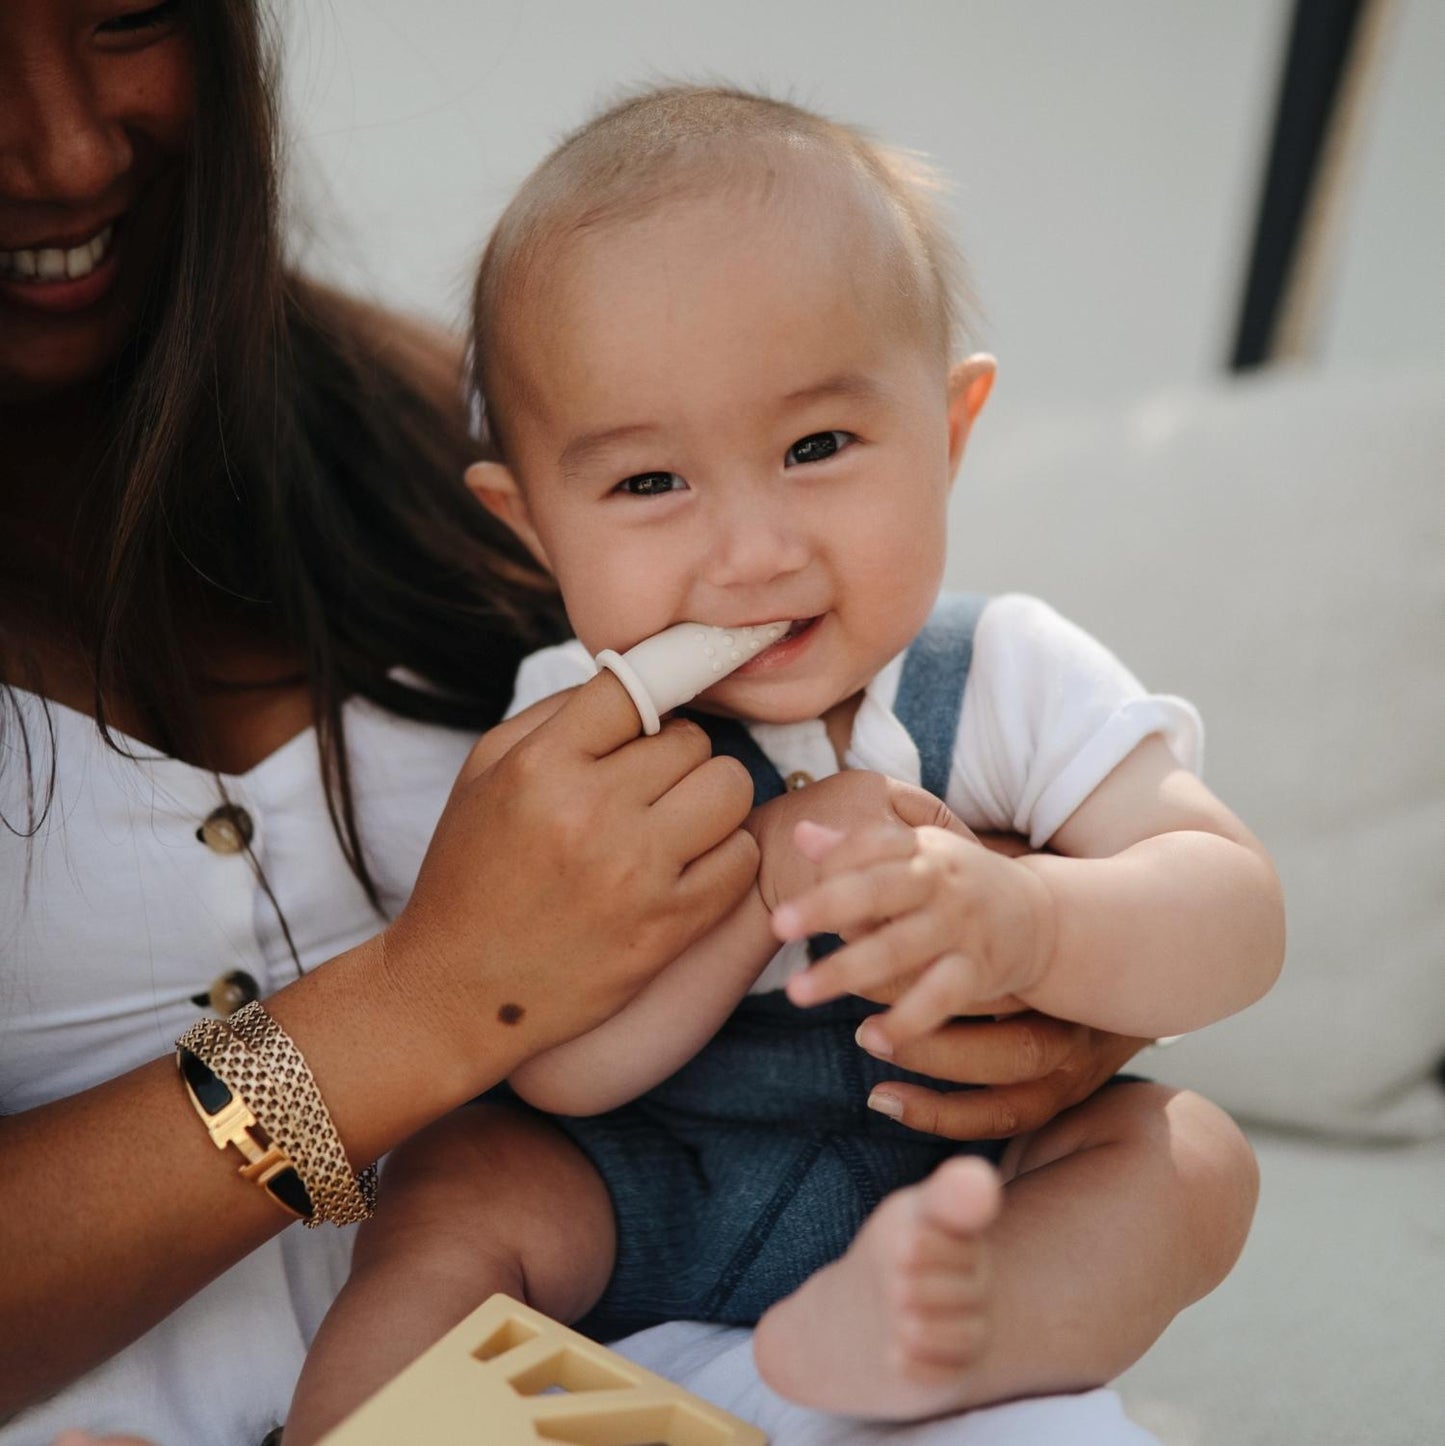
(754, 545)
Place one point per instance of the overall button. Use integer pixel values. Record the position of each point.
(226, 831)
(797, 779)
(228, 993)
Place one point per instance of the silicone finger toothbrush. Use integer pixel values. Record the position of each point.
(672, 667)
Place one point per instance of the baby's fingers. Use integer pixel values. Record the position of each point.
(943, 991)
(846, 902)
(899, 948)
(836, 852)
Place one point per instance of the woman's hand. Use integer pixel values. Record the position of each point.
(82, 1438)
(573, 860)
(1016, 1073)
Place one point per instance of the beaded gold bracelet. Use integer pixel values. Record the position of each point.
(229, 1123)
(258, 1061)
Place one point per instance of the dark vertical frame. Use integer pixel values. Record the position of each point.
(1322, 33)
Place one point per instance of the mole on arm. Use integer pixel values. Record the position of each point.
(510, 1013)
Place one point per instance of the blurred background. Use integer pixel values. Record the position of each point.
(1106, 158)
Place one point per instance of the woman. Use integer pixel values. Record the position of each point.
(233, 537)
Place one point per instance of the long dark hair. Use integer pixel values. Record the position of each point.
(273, 445)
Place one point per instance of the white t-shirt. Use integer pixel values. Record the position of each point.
(1048, 713)
(111, 918)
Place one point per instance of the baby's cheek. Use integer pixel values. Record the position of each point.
(616, 600)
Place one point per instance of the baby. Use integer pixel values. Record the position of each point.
(715, 336)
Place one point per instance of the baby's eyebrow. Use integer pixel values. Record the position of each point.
(852, 385)
(584, 447)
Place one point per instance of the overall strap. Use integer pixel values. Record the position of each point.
(930, 690)
(731, 740)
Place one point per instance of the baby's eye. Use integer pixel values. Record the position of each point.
(817, 447)
(652, 484)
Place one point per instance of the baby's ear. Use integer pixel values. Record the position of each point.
(969, 383)
(493, 485)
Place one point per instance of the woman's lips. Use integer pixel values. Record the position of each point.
(60, 280)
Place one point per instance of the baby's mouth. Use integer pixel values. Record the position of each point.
(776, 653)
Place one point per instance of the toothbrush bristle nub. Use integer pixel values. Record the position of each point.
(672, 667)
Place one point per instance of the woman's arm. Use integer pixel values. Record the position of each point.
(115, 1207)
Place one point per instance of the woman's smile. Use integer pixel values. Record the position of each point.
(61, 274)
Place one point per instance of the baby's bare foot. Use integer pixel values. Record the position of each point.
(892, 1329)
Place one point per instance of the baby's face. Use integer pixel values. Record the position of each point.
(718, 420)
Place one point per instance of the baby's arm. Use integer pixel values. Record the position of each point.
(661, 1029)
(1160, 913)
(1168, 911)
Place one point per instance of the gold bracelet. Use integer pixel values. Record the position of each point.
(229, 1122)
(272, 1080)
(341, 1195)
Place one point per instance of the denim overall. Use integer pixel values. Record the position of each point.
(755, 1164)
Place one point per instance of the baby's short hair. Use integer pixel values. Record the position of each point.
(674, 142)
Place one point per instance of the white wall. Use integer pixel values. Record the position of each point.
(1104, 155)
(1387, 301)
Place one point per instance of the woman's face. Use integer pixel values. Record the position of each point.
(96, 102)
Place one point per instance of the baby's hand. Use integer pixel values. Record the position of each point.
(936, 919)
(846, 802)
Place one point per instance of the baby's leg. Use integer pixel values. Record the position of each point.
(955, 1293)
(486, 1200)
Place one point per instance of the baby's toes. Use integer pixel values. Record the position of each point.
(961, 1198)
(934, 1348)
(950, 1288)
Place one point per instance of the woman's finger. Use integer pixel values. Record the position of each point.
(943, 989)
(903, 946)
(983, 1114)
(849, 901)
(647, 768)
(712, 883)
(706, 804)
(1007, 1051)
(83, 1438)
(597, 719)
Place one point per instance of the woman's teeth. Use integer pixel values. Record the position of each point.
(53, 263)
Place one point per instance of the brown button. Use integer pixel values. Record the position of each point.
(797, 779)
(228, 993)
(226, 831)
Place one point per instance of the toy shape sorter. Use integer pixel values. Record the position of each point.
(510, 1376)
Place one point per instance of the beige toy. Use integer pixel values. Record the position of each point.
(672, 667)
(509, 1376)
